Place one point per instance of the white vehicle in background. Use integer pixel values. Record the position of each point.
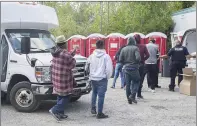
(26, 78)
(184, 20)
(189, 40)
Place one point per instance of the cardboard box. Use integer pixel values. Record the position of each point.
(188, 84)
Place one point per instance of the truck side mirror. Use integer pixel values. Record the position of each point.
(25, 45)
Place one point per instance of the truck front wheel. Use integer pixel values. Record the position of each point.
(22, 98)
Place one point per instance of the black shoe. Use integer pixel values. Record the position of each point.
(170, 89)
(63, 116)
(93, 110)
(140, 97)
(102, 116)
(132, 98)
(129, 101)
(113, 87)
(56, 116)
(122, 87)
(157, 86)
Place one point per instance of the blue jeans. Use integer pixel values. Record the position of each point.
(132, 79)
(118, 69)
(60, 106)
(99, 88)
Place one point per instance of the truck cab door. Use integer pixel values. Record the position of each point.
(4, 53)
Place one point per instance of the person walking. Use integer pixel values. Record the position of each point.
(62, 77)
(151, 65)
(178, 55)
(144, 56)
(118, 70)
(130, 58)
(100, 66)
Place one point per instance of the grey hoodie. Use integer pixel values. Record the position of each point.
(100, 65)
(130, 55)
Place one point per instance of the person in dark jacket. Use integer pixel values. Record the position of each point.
(178, 55)
(62, 78)
(144, 56)
(118, 69)
(130, 58)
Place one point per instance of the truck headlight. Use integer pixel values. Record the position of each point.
(43, 74)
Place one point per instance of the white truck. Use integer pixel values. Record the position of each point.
(26, 78)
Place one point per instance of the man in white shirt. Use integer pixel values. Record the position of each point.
(100, 67)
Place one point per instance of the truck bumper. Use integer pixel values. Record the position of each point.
(45, 92)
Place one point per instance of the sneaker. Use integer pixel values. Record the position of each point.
(93, 111)
(113, 87)
(56, 116)
(132, 99)
(63, 116)
(157, 86)
(102, 116)
(140, 97)
(170, 89)
(153, 91)
(149, 89)
(129, 101)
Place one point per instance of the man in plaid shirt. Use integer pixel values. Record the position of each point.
(62, 78)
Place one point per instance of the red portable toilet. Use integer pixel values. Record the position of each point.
(113, 43)
(77, 40)
(91, 42)
(143, 37)
(161, 41)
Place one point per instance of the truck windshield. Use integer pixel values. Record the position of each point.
(41, 41)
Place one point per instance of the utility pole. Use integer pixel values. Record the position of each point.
(108, 18)
(101, 14)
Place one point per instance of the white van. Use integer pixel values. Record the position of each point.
(189, 41)
(26, 78)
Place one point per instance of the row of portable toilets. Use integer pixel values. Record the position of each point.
(112, 42)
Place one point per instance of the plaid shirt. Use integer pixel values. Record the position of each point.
(62, 76)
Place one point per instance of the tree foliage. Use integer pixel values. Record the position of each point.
(85, 18)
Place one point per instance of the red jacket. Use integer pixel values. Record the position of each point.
(143, 52)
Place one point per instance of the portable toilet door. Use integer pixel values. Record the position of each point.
(143, 37)
(161, 41)
(114, 42)
(77, 40)
(91, 42)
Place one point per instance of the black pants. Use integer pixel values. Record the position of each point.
(142, 74)
(152, 75)
(176, 67)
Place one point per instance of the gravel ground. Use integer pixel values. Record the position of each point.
(163, 108)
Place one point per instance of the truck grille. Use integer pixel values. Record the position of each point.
(79, 74)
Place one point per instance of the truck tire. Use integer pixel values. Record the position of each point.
(75, 98)
(22, 98)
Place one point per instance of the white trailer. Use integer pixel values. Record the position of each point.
(26, 79)
(184, 19)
